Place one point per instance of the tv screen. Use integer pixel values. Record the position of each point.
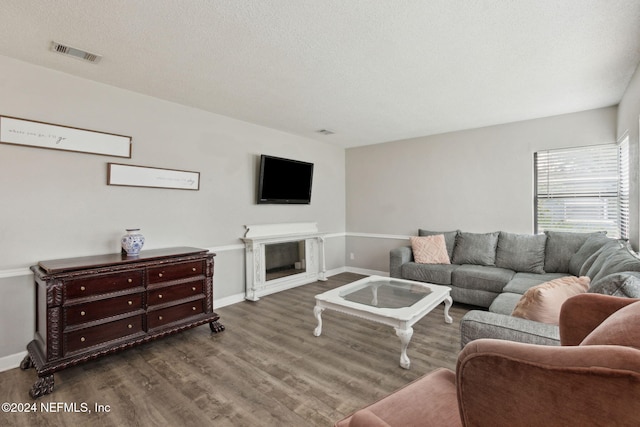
(284, 181)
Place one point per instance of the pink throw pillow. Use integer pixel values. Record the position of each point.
(430, 249)
(542, 302)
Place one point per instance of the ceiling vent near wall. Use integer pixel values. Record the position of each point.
(75, 53)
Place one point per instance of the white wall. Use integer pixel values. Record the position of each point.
(477, 180)
(56, 204)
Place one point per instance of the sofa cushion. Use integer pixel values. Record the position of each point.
(621, 260)
(491, 279)
(505, 303)
(594, 263)
(590, 246)
(449, 238)
(542, 302)
(621, 328)
(521, 252)
(522, 282)
(561, 246)
(439, 274)
(476, 248)
(625, 284)
(429, 249)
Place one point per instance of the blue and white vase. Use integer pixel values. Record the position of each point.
(132, 242)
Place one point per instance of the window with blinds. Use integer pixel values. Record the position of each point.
(583, 189)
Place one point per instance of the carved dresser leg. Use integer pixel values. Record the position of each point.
(43, 386)
(216, 327)
(26, 363)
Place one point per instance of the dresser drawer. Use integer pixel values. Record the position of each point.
(88, 337)
(88, 312)
(112, 282)
(172, 293)
(164, 316)
(175, 271)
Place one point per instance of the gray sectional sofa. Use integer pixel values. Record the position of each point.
(494, 270)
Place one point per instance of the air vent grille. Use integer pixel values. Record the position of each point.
(75, 53)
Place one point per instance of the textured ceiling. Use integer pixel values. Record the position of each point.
(371, 71)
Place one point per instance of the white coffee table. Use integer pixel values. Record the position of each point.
(394, 302)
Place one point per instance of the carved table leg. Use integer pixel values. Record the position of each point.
(26, 363)
(447, 306)
(216, 327)
(405, 336)
(43, 386)
(317, 311)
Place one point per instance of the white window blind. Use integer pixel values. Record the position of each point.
(623, 186)
(580, 190)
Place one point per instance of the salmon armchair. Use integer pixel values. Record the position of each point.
(592, 379)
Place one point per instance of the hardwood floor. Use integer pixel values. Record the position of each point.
(266, 369)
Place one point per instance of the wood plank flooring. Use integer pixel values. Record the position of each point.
(266, 369)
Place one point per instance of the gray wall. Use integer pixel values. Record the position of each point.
(56, 204)
(477, 180)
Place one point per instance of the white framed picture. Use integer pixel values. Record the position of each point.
(32, 133)
(145, 176)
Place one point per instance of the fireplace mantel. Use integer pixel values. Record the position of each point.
(257, 237)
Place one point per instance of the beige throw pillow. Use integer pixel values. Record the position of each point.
(430, 250)
(542, 302)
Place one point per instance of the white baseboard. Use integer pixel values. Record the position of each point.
(230, 300)
(11, 361)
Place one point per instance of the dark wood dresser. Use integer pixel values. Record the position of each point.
(92, 306)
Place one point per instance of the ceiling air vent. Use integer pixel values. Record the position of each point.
(75, 53)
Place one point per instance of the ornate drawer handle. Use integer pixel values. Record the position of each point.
(160, 296)
(82, 313)
(130, 326)
(193, 288)
(193, 269)
(193, 308)
(130, 280)
(82, 288)
(159, 274)
(82, 339)
(159, 317)
(130, 302)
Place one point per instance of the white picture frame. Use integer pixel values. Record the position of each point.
(145, 176)
(17, 131)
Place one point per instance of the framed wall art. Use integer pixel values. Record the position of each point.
(145, 176)
(32, 133)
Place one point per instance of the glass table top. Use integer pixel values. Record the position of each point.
(387, 293)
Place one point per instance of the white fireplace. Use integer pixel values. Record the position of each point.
(282, 256)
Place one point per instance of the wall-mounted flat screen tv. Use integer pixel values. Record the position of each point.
(284, 181)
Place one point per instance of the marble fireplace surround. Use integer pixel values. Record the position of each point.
(257, 237)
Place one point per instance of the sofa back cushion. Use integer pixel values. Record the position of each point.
(561, 246)
(621, 260)
(621, 328)
(449, 238)
(542, 302)
(594, 263)
(476, 248)
(521, 252)
(588, 248)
